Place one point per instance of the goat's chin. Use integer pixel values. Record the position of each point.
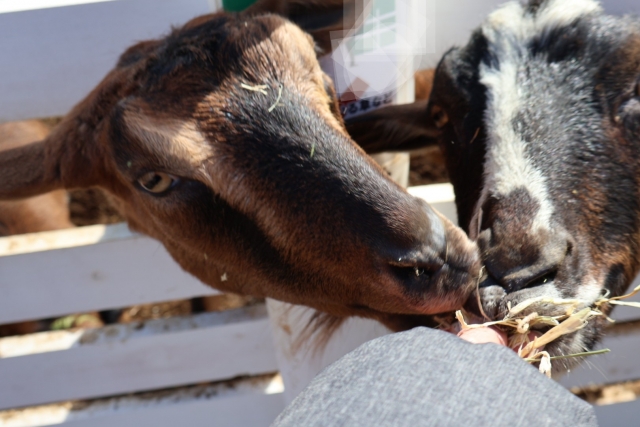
(581, 341)
(496, 304)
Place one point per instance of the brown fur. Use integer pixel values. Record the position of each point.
(273, 198)
(44, 212)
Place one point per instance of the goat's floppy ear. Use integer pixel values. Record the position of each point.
(27, 170)
(394, 128)
(317, 17)
(41, 167)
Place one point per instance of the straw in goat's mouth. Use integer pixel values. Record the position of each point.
(529, 344)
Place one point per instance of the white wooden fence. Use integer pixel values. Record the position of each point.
(101, 267)
(234, 368)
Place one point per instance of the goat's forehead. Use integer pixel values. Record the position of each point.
(518, 22)
(259, 41)
(287, 51)
(204, 53)
(536, 89)
(531, 91)
(509, 167)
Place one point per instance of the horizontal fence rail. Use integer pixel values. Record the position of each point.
(246, 402)
(138, 356)
(47, 275)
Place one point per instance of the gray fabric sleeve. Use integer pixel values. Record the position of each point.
(425, 377)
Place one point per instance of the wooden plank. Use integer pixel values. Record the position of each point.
(434, 193)
(57, 55)
(156, 354)
(619, 415)
(62, 239)
(621, 7)
(219, 404)
(9, 6)
(22, 345)
(242, 411)
(119, 270)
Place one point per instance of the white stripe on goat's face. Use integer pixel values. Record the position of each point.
(527, 22)
(543, 132)
(507, 164)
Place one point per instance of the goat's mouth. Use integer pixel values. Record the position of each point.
(562, 328)
(427, 285)
(422, 296)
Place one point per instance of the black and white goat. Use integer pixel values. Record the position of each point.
(539, 120)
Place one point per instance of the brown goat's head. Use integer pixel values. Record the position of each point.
(539, 120)
(224, 141)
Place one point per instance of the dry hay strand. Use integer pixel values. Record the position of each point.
(518, 326)
(263, 90)
(257, 88)
(275, 104)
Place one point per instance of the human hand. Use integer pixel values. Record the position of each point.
(484, 335)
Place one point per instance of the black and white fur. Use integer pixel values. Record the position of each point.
(539, 120)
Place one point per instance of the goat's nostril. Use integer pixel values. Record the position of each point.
(516, 266)
(527, 278)
(417, 270)
(406, 273)
(524, 278)
(543, 279)
(569, 249)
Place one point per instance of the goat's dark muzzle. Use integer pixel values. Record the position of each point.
(517, 268)
(539, 264)
(441, 268)
(526, 261)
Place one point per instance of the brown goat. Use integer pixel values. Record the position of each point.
(224, 141)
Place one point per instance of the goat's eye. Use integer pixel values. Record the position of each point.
(157, 182)
(440, 118)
